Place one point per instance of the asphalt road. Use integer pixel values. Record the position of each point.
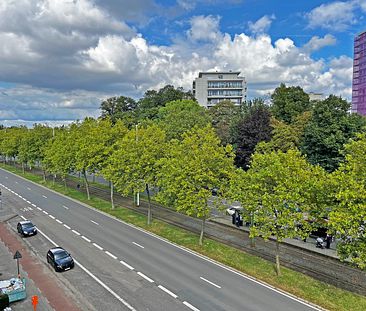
(120, 267)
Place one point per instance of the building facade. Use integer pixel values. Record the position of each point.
(316, 96)
(210, 88)
(359, 75)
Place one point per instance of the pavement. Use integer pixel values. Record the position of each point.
(39, 281)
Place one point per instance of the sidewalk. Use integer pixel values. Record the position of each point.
(308, 245)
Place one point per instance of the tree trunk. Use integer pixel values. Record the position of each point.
(23, 169)
(93, 177)
(44, 175)
(202, 230)
(278, 271)
(149, 213)
(65, 183)
(112, 201)
(54, 179)
(86, 184)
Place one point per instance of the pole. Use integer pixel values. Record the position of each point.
(18, 266)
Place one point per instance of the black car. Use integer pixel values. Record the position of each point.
(26, 228)
(60, 259)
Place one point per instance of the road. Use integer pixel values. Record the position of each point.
(120, 267)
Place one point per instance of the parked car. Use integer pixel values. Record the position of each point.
(26, 228)
(60, 259)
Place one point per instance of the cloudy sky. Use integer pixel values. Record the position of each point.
(60, 58)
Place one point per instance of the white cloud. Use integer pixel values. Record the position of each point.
(262, 24)
(204, 28)
(64, 61)
(316, 43)
(336, 16)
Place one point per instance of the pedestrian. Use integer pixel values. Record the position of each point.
(328, 240)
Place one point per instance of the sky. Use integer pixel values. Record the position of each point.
(59, 59)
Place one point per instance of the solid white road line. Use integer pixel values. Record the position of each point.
(138, 244)
(167, 291)
(53, 217)
(67, 227)
(210, 282)
(59, 221)
(190, 306)
(97, 246)
(65, 207)
(145, 277)
(94, 222)
(111, 255)
(127, 265)
(39, 208)
(124, 302)
(44, 196)
(86, 239)
(45, 212)
(76, 232)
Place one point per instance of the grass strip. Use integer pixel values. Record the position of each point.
(322, 294)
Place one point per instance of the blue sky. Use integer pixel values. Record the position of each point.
(61, 58)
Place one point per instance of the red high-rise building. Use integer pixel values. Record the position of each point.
(359, 75)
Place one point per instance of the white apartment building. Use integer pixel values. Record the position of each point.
(212, 87)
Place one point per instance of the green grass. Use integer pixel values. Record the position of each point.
(327, 296)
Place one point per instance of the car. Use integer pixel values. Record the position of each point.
(60, 259)
(26, 228)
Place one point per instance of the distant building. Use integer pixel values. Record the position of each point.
(315, 96)
(211, 88)
(359, 75)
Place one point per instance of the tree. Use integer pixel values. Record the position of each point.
(289, 102)
(348, 217)
(253, 128)
(180, 116)
(224, 116)
(276, 190)
(121, 107)
(191, 168)
(148, 106)
(134, 164)
(285, 136)
(11, 141)
(330, 127)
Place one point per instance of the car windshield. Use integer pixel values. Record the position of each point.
(28, 225)
(61, 254)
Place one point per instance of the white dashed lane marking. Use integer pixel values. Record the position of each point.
(44, 196)
(167, 291)
(111, 255)
(45, 212)
(65, 207)
(39, 208)
(59, 221)
(29, 188)
(94, 222)
(86, 239)
(53, 217)
(67, 227)
(97, 246)
(213, 284)
(138, 244)
(190, 306)
(127, 265)
(145, 277)
(77, 233)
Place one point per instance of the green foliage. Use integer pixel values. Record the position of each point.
(330, 127)
(120, 108)
(348, 216)
(224, 116)
(149, 105)
(191, 169)
(285, 136)
(11, 139)
(289, 102)
(180, 116)
(253, 128)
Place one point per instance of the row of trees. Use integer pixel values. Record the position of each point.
(183, 153)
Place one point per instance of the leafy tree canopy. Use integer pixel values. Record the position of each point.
(121, 107)
(289, 102)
